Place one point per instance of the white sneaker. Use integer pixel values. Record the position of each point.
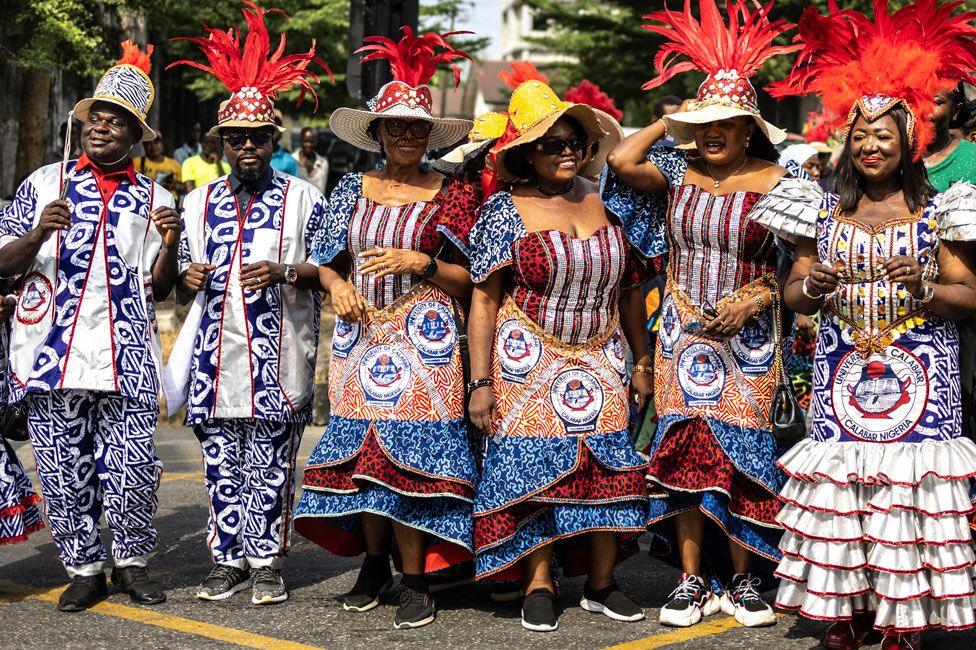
(689, 603)
(742, 601)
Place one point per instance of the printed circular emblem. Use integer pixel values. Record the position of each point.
(669, 329)
(344, 338)
(577, 398)
(430, 327)
(753, 346)
(615, 353)
(701, 374)
(519, 350)
(384, 373)
(882, 398)
(35, 299)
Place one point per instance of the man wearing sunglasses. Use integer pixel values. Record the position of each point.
(253, 332)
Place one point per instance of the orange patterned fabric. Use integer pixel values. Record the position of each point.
(550, 389)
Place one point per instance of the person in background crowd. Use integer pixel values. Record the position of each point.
(253, 337)
(556, 305)
(84, 346)
(800, 159)
(281, 160)
(311, 166)
(192, 145)
(57, 155)
(205, 167)
(879, 498)
(158, 166)
(395, 461)
(713, 474)
(949, 159)
(665, 106)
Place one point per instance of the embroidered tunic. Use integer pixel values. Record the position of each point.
(713, 450)
(254, 352)
(397, 442)
(560, 462)
(878, 495)
(85, 317)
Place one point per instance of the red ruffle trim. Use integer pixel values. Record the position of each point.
(691, 460)
(20, 508)
(590, 483)
(30, 530)
(373, 464)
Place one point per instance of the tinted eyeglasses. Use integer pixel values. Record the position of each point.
(555, 146)
(419, 129)
(257, 138)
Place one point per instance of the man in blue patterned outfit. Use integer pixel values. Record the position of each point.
(93, 244)
(253, 332)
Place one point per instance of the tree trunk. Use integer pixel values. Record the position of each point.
(35, 101)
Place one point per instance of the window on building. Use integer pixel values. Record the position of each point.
(539, 23)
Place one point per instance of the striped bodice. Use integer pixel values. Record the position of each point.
(411, 227)
(570, 286)
(715, 248)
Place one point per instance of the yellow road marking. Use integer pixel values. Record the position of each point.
(181, 476)
(680, 635)
(12, 592)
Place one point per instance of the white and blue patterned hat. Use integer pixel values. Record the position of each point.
(126, 84)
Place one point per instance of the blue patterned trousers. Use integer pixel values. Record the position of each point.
(95, 454)
(251, 481)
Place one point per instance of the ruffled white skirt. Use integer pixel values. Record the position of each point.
(882, 528)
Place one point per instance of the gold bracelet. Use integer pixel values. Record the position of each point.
(639, 367)
(759, 303)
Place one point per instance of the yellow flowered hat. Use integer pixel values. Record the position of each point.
(487, 128)
(535, 107)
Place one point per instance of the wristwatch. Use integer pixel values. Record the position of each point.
(472, 386)
(430, 270)
(291, 275)
(928, 292)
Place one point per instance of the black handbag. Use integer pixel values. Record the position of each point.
(13, 424)
(786, 418)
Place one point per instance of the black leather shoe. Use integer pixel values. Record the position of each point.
(83, 592)
(136, 581)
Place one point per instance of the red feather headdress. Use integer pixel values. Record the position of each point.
(414, 59)
(587, 92)
(857, 65)
(132, 55)
(728, 54)
(253, 73)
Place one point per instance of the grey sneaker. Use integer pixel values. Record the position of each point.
(223, 582)
(269, 588)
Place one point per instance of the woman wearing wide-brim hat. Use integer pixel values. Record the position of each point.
(718, 361)
(557, 292)
(395, 461)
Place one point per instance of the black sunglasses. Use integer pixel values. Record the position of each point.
(257, 138)
(555, 146)
(420, 129)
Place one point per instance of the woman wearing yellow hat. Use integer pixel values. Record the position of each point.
(555, 285)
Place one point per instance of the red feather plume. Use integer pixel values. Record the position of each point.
(912, 54)
(254, 65)
(519, 72)
(709, 45)
(587, 92)
(414, 59)
(132, 55)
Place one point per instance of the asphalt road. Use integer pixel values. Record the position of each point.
(30, 576)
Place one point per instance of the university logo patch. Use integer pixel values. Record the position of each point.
(882, 398)
(669, 330)
(344, 338)
(701, 374)
(384, 373)
(577, 398)
(753, 346)
(519, 351)
(615, 353)
(35, 299)
(431, 329)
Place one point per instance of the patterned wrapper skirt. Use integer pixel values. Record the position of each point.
(560, 462)
(19, 516)
(397, 442)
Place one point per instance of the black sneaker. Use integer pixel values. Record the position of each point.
(83, 592)
(416, 606)
(506, 591)
(374, 576)
(539, 612)
(268, 586)
(612, 602)
(223, 582)
(742, 601)
(136, 581)
(689, 602)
